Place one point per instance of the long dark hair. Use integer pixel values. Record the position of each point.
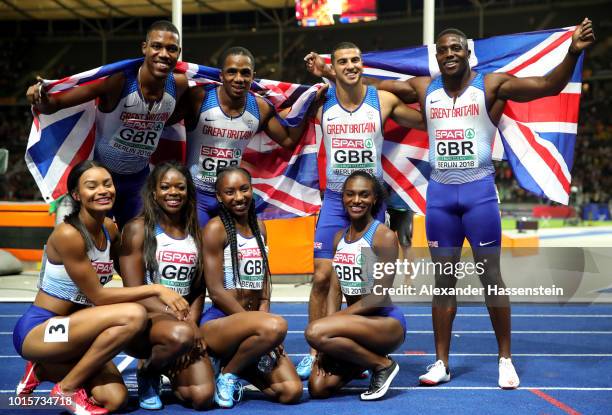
(72, 182)
(230, 228)
(379, 191)
(152, 213)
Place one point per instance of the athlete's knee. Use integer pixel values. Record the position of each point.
(290, 392)
(111, 397)
(133, 316)
(320, 281)
(199, 396)
(318, 388)
(316, 334)
(179, 338)
(274, 329)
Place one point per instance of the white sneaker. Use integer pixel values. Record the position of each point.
(436, 373)
(508, 379)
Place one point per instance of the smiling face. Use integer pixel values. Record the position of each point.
(161, 51)
(347, 65)
(235, 192)
(171, 191)
(358, 197)
(95, 191)
(237, 75)
(452, 55)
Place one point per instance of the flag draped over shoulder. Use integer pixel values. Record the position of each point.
(537, 138)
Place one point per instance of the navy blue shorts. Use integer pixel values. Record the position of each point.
(211, 313)
(31, 318)
(458, 211)
(128, 200)
(393, 312)
(208, 206)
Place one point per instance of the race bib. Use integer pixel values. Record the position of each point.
(214, 158)
(349, 268)
(104, 271)
(251, 269)
(456, 149)
(56, 330)
(177, 270)
(350, 154)
(138, 137)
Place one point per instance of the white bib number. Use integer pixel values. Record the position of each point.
(456, 149)
(138, 137)
(56, 330)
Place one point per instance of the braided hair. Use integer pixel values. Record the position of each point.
(230, 228)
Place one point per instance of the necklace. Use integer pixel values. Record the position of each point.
(155, 106)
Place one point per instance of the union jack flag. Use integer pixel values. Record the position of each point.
(537, 138)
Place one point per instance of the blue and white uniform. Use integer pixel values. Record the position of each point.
(355, 272)
(56, 282)
(353, 141)
(461, 195)
(177, 261)
(127, 136)
(218, 140)
(251, 270)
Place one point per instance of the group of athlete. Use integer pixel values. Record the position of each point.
(181, 231)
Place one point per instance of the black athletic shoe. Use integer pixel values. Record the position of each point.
(380, 382)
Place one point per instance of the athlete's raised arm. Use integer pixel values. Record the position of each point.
(527, 89)
(287, 137)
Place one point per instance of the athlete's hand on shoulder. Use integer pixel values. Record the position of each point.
(583, 36)
(315, 64)
(175, 302)
(36, 93)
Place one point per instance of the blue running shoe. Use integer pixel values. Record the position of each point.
(149, 388)
(304, 368)
(228, 390)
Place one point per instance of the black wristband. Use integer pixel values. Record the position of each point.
(575, 54)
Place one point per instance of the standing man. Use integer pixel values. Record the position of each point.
(461, 196)
(133, 107)
(352, 118)
(220, 122)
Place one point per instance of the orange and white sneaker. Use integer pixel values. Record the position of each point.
(508, 379)
(29, 381)
(77, 403)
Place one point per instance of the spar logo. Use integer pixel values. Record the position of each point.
(347, 143)
(220, 153)
(455, 134)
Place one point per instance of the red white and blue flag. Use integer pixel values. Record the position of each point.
(537, 138)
